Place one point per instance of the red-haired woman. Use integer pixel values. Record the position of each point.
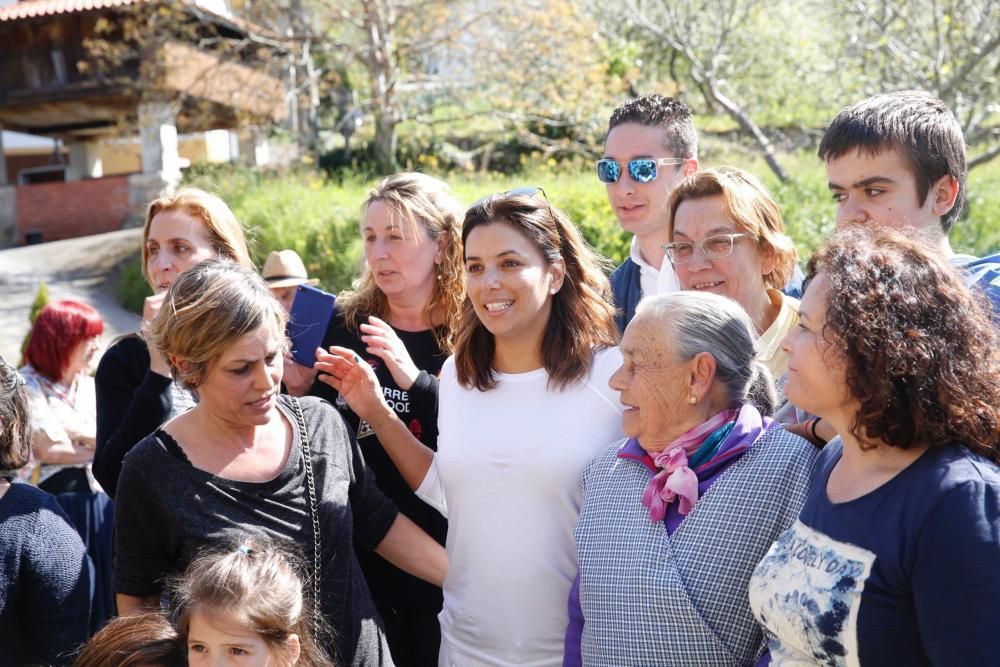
(57, 364)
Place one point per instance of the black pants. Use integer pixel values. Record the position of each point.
(414, 636)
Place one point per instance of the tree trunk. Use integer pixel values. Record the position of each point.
(983, 158)
(383, 73)
(736, 113)
(385, 142)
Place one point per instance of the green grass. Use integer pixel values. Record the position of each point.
(319, 217)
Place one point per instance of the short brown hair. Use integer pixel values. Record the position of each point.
(920, 348)
(913, 122)
(207, 309)
(137, 640)
(582, 316)
(750, 206)
(670, 115)
(225, 232)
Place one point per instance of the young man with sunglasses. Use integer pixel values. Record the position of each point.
(898, 160)
(650, 147)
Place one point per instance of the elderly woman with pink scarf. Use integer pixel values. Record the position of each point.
(676, 516)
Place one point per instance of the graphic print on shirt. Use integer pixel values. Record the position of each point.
(806, 592)
(398, 400)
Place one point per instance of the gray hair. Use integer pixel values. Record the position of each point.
(699, 322)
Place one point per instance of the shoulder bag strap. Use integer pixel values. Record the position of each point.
(313, 511)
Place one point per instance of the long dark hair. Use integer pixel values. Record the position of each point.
(582, 316)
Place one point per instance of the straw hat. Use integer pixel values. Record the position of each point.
(284, 268)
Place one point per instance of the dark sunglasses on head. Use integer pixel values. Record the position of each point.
(642, 170)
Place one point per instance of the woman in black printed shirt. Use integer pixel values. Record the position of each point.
(400, 317)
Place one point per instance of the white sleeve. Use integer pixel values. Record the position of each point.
(431, 491)
(43, 417)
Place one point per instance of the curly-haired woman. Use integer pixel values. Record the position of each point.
(894, 557)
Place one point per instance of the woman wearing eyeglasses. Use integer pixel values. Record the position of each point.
(727, 237)
(524, 404)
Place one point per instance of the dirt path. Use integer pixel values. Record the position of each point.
(74, 269)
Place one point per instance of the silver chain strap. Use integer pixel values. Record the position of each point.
(313, 512)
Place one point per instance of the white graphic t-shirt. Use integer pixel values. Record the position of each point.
(807, 591)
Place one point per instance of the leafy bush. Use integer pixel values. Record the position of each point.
(133, 288)
(318, 217)
(41, 300)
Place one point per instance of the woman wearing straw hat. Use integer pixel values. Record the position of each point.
(284, 272)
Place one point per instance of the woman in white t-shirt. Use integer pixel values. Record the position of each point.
(524, 406)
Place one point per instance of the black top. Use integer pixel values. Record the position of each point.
(167, 509)
(45, 579)
(132, 402)
(417, 408)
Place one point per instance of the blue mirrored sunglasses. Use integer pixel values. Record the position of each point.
(642, 170)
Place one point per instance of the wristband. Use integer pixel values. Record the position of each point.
(812, 430)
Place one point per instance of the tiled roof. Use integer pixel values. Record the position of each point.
(30, 8)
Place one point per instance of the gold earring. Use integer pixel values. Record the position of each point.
(693, 399)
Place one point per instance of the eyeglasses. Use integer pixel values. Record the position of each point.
(711, 247)
(642, 170)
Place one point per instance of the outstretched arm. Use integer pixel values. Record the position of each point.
(356, 382)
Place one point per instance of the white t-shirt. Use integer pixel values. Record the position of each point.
(507, 474)
(654, 281)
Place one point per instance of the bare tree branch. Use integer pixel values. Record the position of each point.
(984, 157)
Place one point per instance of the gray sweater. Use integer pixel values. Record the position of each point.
(167, 510)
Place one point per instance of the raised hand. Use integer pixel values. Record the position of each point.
(150, 309)
(297, 378)
(355, 380)
(383, 342)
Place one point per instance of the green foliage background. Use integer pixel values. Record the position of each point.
(318, 216)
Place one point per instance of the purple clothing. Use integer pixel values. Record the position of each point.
(745, 432)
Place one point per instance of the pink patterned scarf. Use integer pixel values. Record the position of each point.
(676, 479)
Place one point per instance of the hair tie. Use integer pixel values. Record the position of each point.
(245, 550)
